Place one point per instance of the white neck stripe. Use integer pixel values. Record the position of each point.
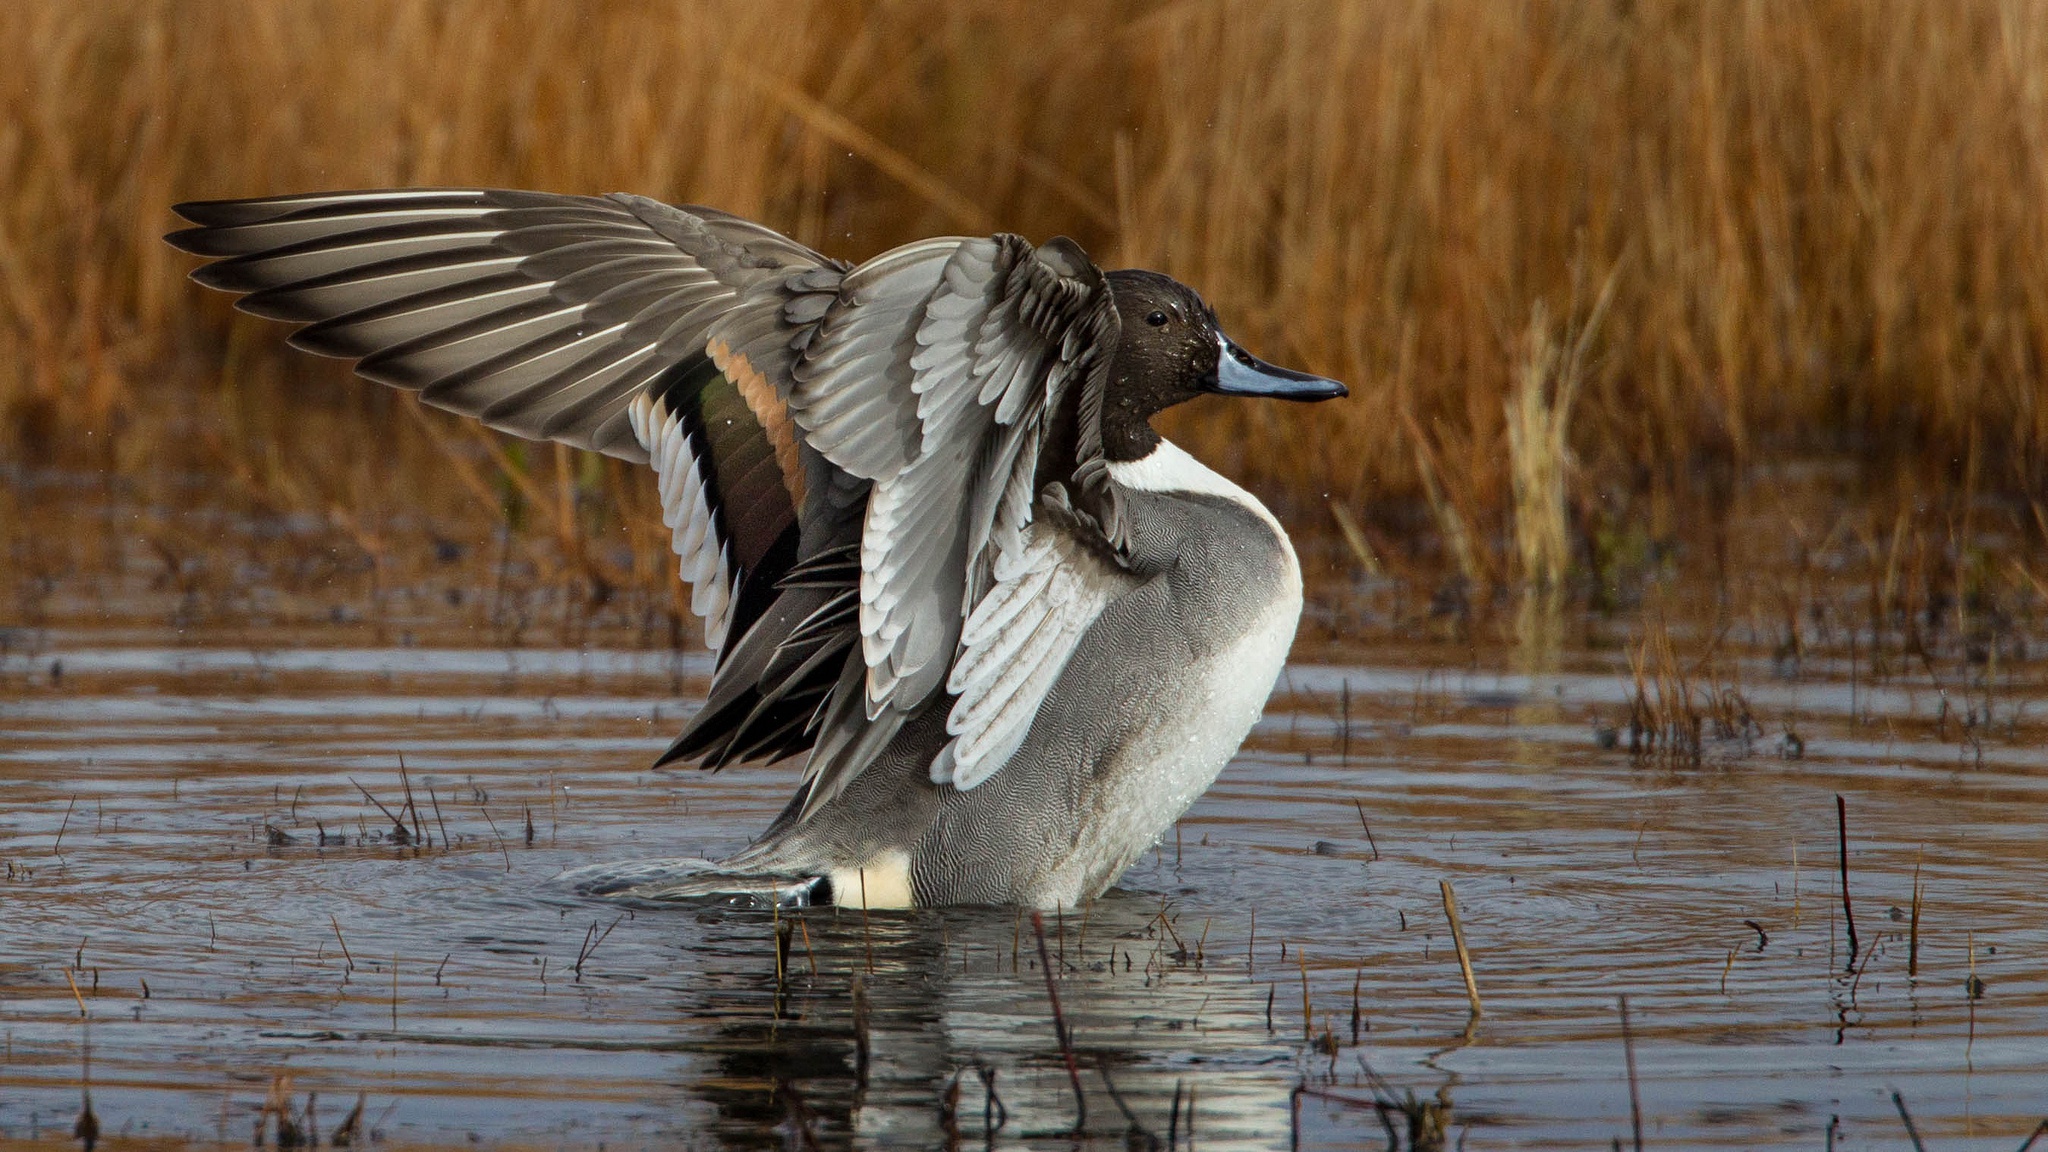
(1168, 468)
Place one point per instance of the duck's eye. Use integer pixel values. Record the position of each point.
(1156, 318)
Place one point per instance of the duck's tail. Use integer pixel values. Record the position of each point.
(690, 880)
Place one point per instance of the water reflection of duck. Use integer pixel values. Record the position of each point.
(860, 1033)
(937, 546)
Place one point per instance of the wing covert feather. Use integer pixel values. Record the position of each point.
(1016, 643)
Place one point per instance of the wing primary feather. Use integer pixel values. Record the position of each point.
(353, 289)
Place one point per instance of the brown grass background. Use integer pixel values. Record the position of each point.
(1584, 262)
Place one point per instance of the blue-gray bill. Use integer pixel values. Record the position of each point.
(1239, 373)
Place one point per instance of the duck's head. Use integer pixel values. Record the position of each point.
(1171, 351)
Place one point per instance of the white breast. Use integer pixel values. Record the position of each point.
(1170, 469)
(1172, 764)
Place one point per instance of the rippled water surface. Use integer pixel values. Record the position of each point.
(192, 837)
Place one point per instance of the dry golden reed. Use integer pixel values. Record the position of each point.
(1819, 226)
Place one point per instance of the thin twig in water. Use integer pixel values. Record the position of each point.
(781, 933)
(1842, 839)
(1458, 940)
(1164, 922)
(1913, 929)
(56, 849)
(591, 940)
(399, 832)
(1116, 1097)
(1368, 828)
(344, 943)
(1059, 1023)
(860, 1030)
(2040, 1130)
(1308, 1023)
(74, 993)
(405, 781)
(502, 850)
(1357, 1017)
(1912, 1133)
(1635, 1097)
(446, 843)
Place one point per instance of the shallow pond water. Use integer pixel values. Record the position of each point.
(192, 837)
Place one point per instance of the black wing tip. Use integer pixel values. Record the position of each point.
(223, 276)
(276, 304)
(317, 339)
(232, 213)
(193, 240)
(685, 748)
(208, 213)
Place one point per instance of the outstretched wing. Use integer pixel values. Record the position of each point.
(615, 323)
(540, 315)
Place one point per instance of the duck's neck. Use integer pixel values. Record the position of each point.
(1127, 434)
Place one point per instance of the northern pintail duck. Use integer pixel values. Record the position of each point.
(937, 546)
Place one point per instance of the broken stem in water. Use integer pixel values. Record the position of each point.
(1059, 1023)
(1913, 929)
(1458, 940)
(1842, 840)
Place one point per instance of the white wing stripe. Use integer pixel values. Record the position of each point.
(706, 559)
